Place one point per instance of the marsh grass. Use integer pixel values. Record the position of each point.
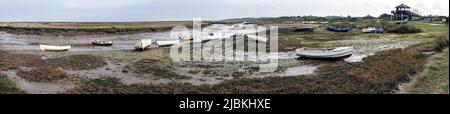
(434, 79)
(89, 28)
(7, 86)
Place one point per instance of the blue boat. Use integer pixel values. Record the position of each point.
(338, 29)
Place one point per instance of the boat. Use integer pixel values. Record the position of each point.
(142, 44)
(372, 30)
(303, 29)
(338, 29)
(257, 38)
(167, 43)
(102, 43)
(185, 37)
(54, 48)
(335, 53)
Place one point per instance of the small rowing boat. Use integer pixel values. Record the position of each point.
(372, 30)
(102, 43)
(54, 48)
(257, 38)
(338, 29)
(167, 43)
(142, 44)
(340, 52)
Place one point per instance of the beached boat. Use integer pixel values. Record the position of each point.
(142, 44)
(102, 43)
(340, 52)
(185, 37)
(54, 48)
(303, 29)
(167, 43)
(257, 38)
(338, 29)
(372, 30)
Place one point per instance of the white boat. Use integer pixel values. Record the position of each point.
(257, 38)
(372, 30)
(167, 43)
(340, 52)
(54, 48)
(185, 37)
(142, 44)
(102, 43)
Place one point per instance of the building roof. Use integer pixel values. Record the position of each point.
(402, 6)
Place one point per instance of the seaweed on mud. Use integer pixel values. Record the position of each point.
(42, 74)
(155, 68)
(77, 62)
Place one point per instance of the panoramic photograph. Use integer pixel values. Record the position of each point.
(224, 47)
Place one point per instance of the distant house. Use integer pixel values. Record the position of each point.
(403, 12)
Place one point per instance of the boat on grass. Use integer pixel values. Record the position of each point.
(338, 29)
(372, 30)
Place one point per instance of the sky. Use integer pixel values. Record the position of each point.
(169, 10)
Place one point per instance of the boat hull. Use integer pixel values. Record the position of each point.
(142, 44)
(54, 48)
(166, 43)
(102, 43)
(330, 54)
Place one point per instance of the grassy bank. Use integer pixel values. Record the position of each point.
(89, 28)
(434, 79)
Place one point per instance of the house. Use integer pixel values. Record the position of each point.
(403, 12)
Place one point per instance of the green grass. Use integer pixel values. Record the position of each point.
(435, 78)
(7, 86)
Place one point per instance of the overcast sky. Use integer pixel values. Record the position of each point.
(157, 10)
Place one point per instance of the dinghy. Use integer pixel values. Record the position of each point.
(54, 48)
(372, 30)
(142, 44)
(257, 38)
(166, 43)
(338, 29)
(304, 29)
(340, 52)
(102, 43)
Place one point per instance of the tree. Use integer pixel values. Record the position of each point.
(385, 16)
(368, 17)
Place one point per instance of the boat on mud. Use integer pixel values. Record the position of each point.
(142, 44)
(372, 30)
(334, 53)
(338, 29)
(167, 43)
(303, 29)
(257, 38)
(54, 48)
(102, 43)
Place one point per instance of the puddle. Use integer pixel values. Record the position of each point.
(299, 70)
(37, 88)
